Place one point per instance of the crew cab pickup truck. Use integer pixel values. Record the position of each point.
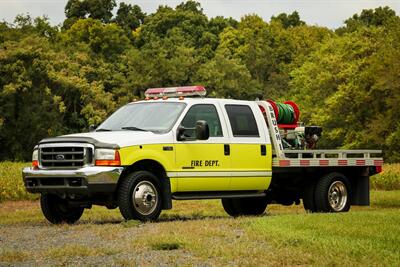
(172, 146)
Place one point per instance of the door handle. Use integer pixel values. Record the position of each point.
(227, 150)
(263, 150)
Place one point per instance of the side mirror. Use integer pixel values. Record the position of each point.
(202, 130)
(92, 127)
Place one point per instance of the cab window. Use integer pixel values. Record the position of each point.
(206, 112)
(242, 121)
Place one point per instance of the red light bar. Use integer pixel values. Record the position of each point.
(176, 91)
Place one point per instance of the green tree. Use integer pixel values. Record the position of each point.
(100, 9)
(224, 77)
(129, 17)
(348, 86)
(95, 9)
(289, 20)
(107, 40)
(29, 111)
(380, 16)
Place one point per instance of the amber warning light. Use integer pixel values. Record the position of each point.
(176, 91)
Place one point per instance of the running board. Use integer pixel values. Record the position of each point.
(216, 195)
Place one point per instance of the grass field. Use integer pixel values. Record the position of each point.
(200, 233)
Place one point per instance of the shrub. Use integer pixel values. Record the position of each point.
(388, 179)
(11, 184)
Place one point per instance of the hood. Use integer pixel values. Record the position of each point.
(115, 138)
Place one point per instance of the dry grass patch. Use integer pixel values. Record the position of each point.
(13, 256)
(78, 251)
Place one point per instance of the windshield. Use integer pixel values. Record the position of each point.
(155, 117)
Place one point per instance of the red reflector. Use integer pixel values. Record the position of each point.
(176, 91)
(324, 162)
(342, 162)
(360, 162)
(378, 162)
(378, 169)
(304, 162)
(284, 163)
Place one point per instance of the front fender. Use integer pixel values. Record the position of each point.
(162, 153)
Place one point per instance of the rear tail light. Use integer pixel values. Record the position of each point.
(378, 169)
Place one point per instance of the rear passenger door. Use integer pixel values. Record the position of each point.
(249, 151)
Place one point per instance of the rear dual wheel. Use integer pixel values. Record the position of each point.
(331, 193)
(244, 206)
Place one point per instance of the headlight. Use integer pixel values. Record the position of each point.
(35, 159)
(107, 157)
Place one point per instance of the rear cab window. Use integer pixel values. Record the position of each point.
(242, 121)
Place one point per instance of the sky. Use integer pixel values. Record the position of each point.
(326, 13)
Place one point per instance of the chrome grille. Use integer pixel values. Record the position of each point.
(65, 155)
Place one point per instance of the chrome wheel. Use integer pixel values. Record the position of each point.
(145, 197)
(337, 195)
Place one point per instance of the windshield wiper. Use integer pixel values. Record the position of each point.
(133, 128)
(103, 130)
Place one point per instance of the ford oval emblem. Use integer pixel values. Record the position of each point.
(60, 157)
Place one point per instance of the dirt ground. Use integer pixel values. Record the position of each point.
(98, 239)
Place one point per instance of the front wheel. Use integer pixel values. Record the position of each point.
(56, 210)
(333, 193)
(139, 197)
(244, 206)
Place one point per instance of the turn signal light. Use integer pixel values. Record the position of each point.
(35, 164)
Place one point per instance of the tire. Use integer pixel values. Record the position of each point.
(139, 196)
(56, 210)
(228, 205)
(333, 193)
(309, 197)
(244, 206)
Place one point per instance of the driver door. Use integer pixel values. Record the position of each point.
(202, 164)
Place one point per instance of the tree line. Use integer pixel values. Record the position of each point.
(60, 79)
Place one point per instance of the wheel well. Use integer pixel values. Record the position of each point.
(146, 165)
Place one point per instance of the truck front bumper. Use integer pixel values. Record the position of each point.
(83, 181)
